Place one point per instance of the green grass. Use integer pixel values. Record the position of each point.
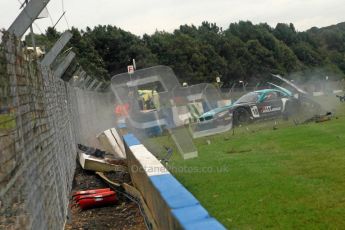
(289, 178)
(7, 121)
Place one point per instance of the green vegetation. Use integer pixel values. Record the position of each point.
(199, 54)
(289, 177)
(7, 122)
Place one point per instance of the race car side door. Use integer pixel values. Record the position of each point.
(270, 104)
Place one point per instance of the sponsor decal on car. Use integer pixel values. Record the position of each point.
(269, 109)
(255, 111)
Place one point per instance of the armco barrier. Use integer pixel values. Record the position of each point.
(171, 204)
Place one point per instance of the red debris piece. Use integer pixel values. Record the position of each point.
(96, 200)
(77, 195)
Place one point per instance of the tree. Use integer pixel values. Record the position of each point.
(199, 53)
(285, 33)
(307, 54)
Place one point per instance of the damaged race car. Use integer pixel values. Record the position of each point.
(254, 105)
(258, 105)
(263, 104)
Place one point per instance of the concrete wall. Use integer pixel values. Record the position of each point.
(37, 143)
(42, 118)
(171, 204)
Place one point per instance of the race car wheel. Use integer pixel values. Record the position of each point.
(241, 116)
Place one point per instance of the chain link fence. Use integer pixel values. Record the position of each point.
(42, 118)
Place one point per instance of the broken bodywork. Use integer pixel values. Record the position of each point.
(266, 103)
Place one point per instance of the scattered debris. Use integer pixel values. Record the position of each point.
(96, 164)
(322, 118)
(169, 151)
(341, 98)
(134, 195)
(79, 194)
(123, 215)
(91, 151)
(115, 178)
(97, 198)
(319, 118)
(99, 161)
(114, 173)
(112, 142)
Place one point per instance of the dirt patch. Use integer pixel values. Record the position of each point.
(233, 151)
(118, 177)
(124, 215)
